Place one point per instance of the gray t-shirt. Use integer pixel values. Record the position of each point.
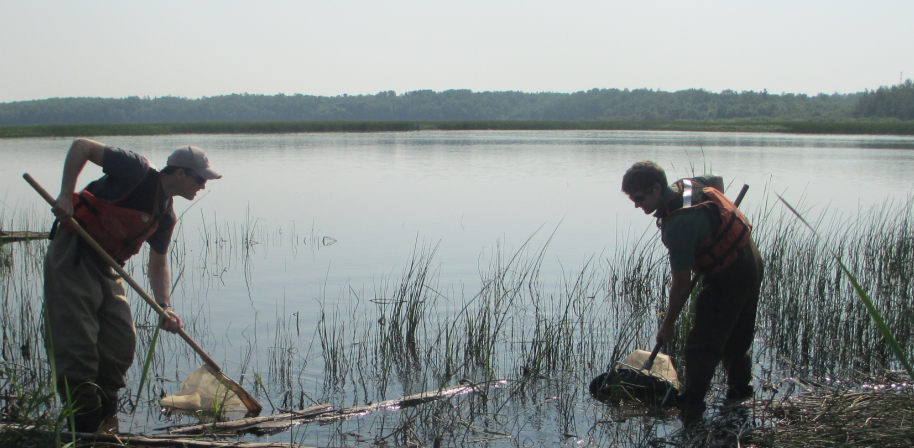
(124, 171)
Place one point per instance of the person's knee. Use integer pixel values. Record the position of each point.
(75, 390)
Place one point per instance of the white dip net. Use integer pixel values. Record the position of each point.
(204, 392)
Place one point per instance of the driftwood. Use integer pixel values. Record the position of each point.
(319, 414)
(92, 439)
(245, 423)
(193, 436)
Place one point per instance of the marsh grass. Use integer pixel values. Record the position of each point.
(887, 336)
(20, 309)
(529, 349)
(877, 413)
(530, 344)
(818, 324)
(548, 343)
(27, 387)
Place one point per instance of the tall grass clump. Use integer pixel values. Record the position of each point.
(21, 294)
(529, 346)
(27, 394)
(813, 318)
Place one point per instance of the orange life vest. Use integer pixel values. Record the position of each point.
(733, 232)
(119, 230)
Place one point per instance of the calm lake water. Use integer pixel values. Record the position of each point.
(381, 195)
(330, 216)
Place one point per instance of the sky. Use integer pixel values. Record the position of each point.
(193, 49)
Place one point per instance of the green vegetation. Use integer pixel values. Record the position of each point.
(888, 110)
(427, 105)
(894, 102)
(846, 126)
(874, 313)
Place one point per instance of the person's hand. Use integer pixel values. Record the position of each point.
(173, 323)
(666, 332)
(63, 207)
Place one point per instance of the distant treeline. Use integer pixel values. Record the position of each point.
(846, 126)
(427, 105)
(465, 105)
(887, 102)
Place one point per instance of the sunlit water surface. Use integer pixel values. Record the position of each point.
(305, 221)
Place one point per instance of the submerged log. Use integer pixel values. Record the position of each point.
(272, 424)
(92, 439)
(242, 424)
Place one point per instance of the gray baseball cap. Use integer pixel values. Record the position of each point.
(194, 158)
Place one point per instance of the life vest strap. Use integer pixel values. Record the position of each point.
(686, 193)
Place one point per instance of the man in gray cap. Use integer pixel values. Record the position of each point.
(92, 339)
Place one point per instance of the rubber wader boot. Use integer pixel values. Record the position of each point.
(110, 423)
(699, 373)
(87, 413)
(84, 403)
(739, 379)
(691, 414)
(738, 393)
(109, 404)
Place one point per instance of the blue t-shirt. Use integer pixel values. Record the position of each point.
(126, 171)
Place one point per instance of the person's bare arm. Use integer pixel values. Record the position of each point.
(160, 279)
(81, 151)
(679, 294)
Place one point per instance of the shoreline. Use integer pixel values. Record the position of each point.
(836, 127)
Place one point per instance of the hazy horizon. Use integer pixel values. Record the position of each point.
(407, 91)
(109, 49)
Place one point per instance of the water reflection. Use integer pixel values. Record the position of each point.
(352, 269)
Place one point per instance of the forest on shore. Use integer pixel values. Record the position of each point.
(599, 105)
